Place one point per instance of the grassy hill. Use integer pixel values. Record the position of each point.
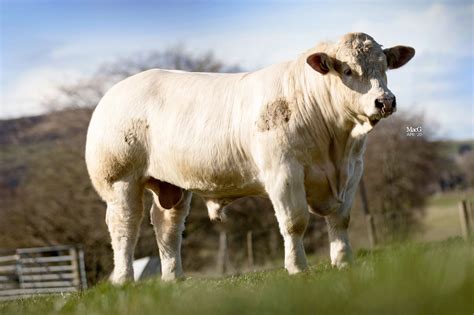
(436, 278)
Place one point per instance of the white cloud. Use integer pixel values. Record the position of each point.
(453, 117)
(439, 28)
(26, 94)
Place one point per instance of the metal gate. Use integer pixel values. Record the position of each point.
(43, 270)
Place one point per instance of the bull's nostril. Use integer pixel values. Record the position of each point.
(394, 102)
(378, 104)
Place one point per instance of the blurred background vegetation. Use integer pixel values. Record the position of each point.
(413, 183)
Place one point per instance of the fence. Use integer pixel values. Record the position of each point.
(250, 249)
(44, 270)
(466, 220)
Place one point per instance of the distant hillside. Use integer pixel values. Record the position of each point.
(44, 128)
(24, 140)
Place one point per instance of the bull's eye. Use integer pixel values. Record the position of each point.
(348, 72)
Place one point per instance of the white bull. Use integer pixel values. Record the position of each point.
(294, 132)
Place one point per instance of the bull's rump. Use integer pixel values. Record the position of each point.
(189, 129)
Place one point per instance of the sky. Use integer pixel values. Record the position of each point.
(48, 43)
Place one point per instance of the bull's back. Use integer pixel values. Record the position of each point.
(191, 130)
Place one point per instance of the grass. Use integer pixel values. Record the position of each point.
(434, 278)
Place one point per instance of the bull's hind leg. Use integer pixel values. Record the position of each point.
(124, 215)
(169, 225)
(285, 188)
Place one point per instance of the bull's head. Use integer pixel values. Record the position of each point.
(356, 68)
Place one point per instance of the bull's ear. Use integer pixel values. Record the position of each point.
(398, 56)
(320, 62)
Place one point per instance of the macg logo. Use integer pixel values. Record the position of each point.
(414, 131)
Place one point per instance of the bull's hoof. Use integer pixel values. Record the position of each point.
(172, 277)
(342, 265)
(293, 270)
(120, 279)
(342, 261)
(341, 254)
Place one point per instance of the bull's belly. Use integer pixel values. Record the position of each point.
(209, 179)
(227, 192)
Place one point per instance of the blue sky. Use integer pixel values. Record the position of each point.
(45, 43)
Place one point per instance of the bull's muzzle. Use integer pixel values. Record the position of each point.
(386, 105)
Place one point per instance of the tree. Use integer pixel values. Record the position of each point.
(400, 171)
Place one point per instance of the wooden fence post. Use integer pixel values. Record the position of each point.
(369, 219)
(318, 233)
(250, 249)
(18, 268)
(274, 243)
(82, 267)
(471, 213)
(222, 254)
(464, 219)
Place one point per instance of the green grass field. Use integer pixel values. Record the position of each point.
(432, 278)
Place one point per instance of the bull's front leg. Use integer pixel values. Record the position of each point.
(339, 246)
(285, 187)
(338, 222)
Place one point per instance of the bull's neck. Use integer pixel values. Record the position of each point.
(323, 122)
(330, 134)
